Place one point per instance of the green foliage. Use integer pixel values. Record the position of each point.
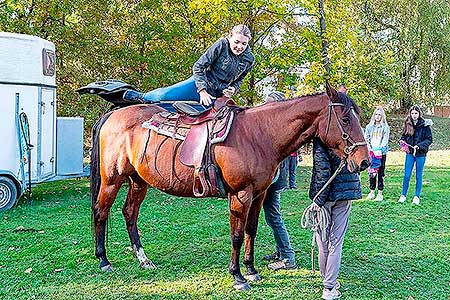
(391, 250)
(386, 52)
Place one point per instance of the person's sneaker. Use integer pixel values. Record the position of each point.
(331, 294)
(371, 195)
(402, 199)
(272, 256)
(416, 200)
(379, 197)
(284, 264)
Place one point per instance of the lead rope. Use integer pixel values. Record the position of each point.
(311, 218)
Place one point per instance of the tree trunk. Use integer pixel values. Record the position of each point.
(323, 32)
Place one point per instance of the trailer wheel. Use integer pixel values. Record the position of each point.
(8, 193)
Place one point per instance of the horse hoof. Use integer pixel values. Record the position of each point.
(107, 268)
(252, 277)
(242, 286)
(148, 264)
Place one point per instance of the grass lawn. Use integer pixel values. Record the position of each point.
(391, 251)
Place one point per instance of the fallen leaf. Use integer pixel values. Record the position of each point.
(392, 230)
(57, 270)
(28, 271)
(41, 231)
(410, 297)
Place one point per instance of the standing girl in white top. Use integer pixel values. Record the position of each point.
(377, 137)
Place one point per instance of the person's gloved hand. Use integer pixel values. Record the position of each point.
(229, 91)
(205, 98)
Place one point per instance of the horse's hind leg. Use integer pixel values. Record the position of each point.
(130, 210)
(250, 234)
(106, 196)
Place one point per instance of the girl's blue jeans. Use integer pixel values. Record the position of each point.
(410, 160)
(181, 91)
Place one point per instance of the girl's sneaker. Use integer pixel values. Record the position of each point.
(379, 197)
(416, 200)
(371, 195)
(402, 199)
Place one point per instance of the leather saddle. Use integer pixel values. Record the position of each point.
(198, 133)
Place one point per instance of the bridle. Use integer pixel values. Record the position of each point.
(350, 143)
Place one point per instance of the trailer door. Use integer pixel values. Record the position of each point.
(46, 157)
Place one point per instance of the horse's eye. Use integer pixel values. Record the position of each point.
(345, 121)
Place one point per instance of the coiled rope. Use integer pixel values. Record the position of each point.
(316, 217)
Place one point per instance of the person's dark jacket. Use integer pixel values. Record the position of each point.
(422, 137)
(219, 68)
(345, 186)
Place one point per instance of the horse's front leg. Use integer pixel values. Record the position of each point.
(136, 194)
(239, 207)
(250, 234)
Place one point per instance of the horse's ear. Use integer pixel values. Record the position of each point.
(331, 92)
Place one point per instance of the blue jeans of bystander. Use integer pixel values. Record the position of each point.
(272, 214)
(409, 164)
(292, 171)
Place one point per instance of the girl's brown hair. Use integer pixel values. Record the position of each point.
(242, 29)
(408, 129)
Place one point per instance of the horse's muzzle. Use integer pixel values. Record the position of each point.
(364, 165)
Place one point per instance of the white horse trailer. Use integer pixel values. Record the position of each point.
(37, 145)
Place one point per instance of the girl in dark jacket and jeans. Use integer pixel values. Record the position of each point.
(336, 200)
(416, 140)
(218, 72)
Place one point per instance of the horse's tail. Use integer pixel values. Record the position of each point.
(95, 161)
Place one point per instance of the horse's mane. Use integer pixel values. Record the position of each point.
(345, 99)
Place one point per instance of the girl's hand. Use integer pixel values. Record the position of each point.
(229, 91)
(205, 98)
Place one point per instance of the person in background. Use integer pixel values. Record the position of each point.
(284, 257)
(342, 88)
(218, 72)
(377, 138)
(415, 141)
(293, 161)
(335, 200)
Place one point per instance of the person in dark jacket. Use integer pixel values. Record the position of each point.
(416, 140)
(218, 72)
(336, 201)
(284, 255)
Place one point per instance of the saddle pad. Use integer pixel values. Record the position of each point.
(168, 124)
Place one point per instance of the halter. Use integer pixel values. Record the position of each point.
(350, 143)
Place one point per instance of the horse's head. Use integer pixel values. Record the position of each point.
(342, 132)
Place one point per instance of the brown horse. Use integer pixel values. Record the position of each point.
(261, 137)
